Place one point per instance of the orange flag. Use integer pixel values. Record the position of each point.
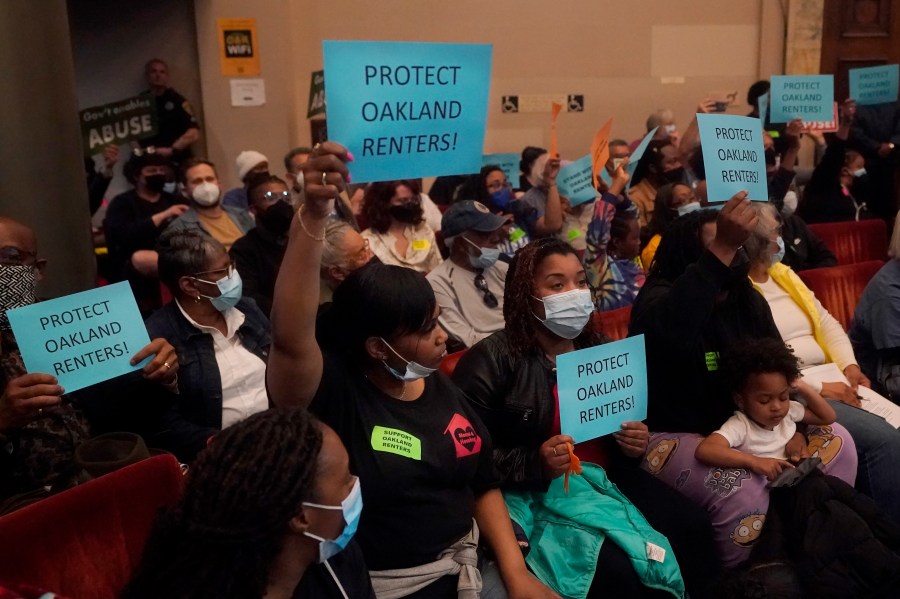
(554, 113)
(600, 150)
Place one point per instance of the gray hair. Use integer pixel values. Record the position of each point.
(335, 231)
(757, 245)
(663, 115)
(184, 252)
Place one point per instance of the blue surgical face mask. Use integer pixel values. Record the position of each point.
(779, 255)
(486, 259)
(860, 172)
(414, 370)
(351, 507)
(501, 198)
(566, 314)
(688, 208)
(230, 290)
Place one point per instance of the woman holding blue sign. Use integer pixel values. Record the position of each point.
(696, 302)
(422, 454)
(510, 378)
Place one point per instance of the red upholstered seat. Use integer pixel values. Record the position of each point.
(448, 364)
(854, 241)
(839, 287)
(85, 542)
(613, 323)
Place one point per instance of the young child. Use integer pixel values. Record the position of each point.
(763, 375)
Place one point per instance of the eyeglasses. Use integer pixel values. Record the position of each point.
(497, 185)
(13, 256)
(228, 270)
(274, 196)
(490, 300)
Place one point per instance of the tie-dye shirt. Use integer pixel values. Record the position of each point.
(614, 283)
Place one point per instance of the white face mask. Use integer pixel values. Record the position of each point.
(566, 314)
(206, 194)
(688, 208)
(670, 129)
(790, 204)
(414, 370)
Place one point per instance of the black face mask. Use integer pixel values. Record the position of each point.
(409, 212)
(674, 175)
(155, 183)
(277, 218)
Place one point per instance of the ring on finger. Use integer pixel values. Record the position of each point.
(324, 182)
(554, 451)
(166, 364)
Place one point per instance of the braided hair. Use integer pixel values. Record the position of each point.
(224, 534)
(519, 289)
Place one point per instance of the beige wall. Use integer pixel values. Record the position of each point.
(111, 42)
(615, 52)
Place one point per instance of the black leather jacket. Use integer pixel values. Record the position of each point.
(514, 398)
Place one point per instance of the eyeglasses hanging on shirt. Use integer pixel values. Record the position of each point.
(490, 300)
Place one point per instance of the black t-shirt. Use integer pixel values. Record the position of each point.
(350, 569)
(421, 463)
(174, 115)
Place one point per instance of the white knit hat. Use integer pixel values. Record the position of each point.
(246, 160)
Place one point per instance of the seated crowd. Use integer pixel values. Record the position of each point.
(298, 328)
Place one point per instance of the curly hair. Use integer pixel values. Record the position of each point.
(519, 289)
(221, 538)
(377, 202)
(746, 357)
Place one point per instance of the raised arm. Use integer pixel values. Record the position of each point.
(552, 221)
(295, 363)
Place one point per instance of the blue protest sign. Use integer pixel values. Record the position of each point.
(83, 338)
(762, 103)
(408, 109)
(637, 154)
(806, 97)
(601, 387)
(604, 176)
(508, 162)
(733, 157)
(875, 85)
(576, 181)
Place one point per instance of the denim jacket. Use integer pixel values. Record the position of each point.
(197, 413)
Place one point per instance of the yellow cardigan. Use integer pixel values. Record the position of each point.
(788, 280)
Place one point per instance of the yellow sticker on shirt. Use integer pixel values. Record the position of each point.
(421, 244)
(573, 234)
(392, 440)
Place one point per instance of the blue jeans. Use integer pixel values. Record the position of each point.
(878, 449)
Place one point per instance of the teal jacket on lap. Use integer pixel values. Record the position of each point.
(567, 531)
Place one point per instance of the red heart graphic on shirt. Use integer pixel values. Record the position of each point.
(466, 437)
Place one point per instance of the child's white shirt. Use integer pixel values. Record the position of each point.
(745, 435)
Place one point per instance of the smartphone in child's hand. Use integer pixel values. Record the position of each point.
(789, 477)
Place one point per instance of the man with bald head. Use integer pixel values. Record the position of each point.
(40, 427)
